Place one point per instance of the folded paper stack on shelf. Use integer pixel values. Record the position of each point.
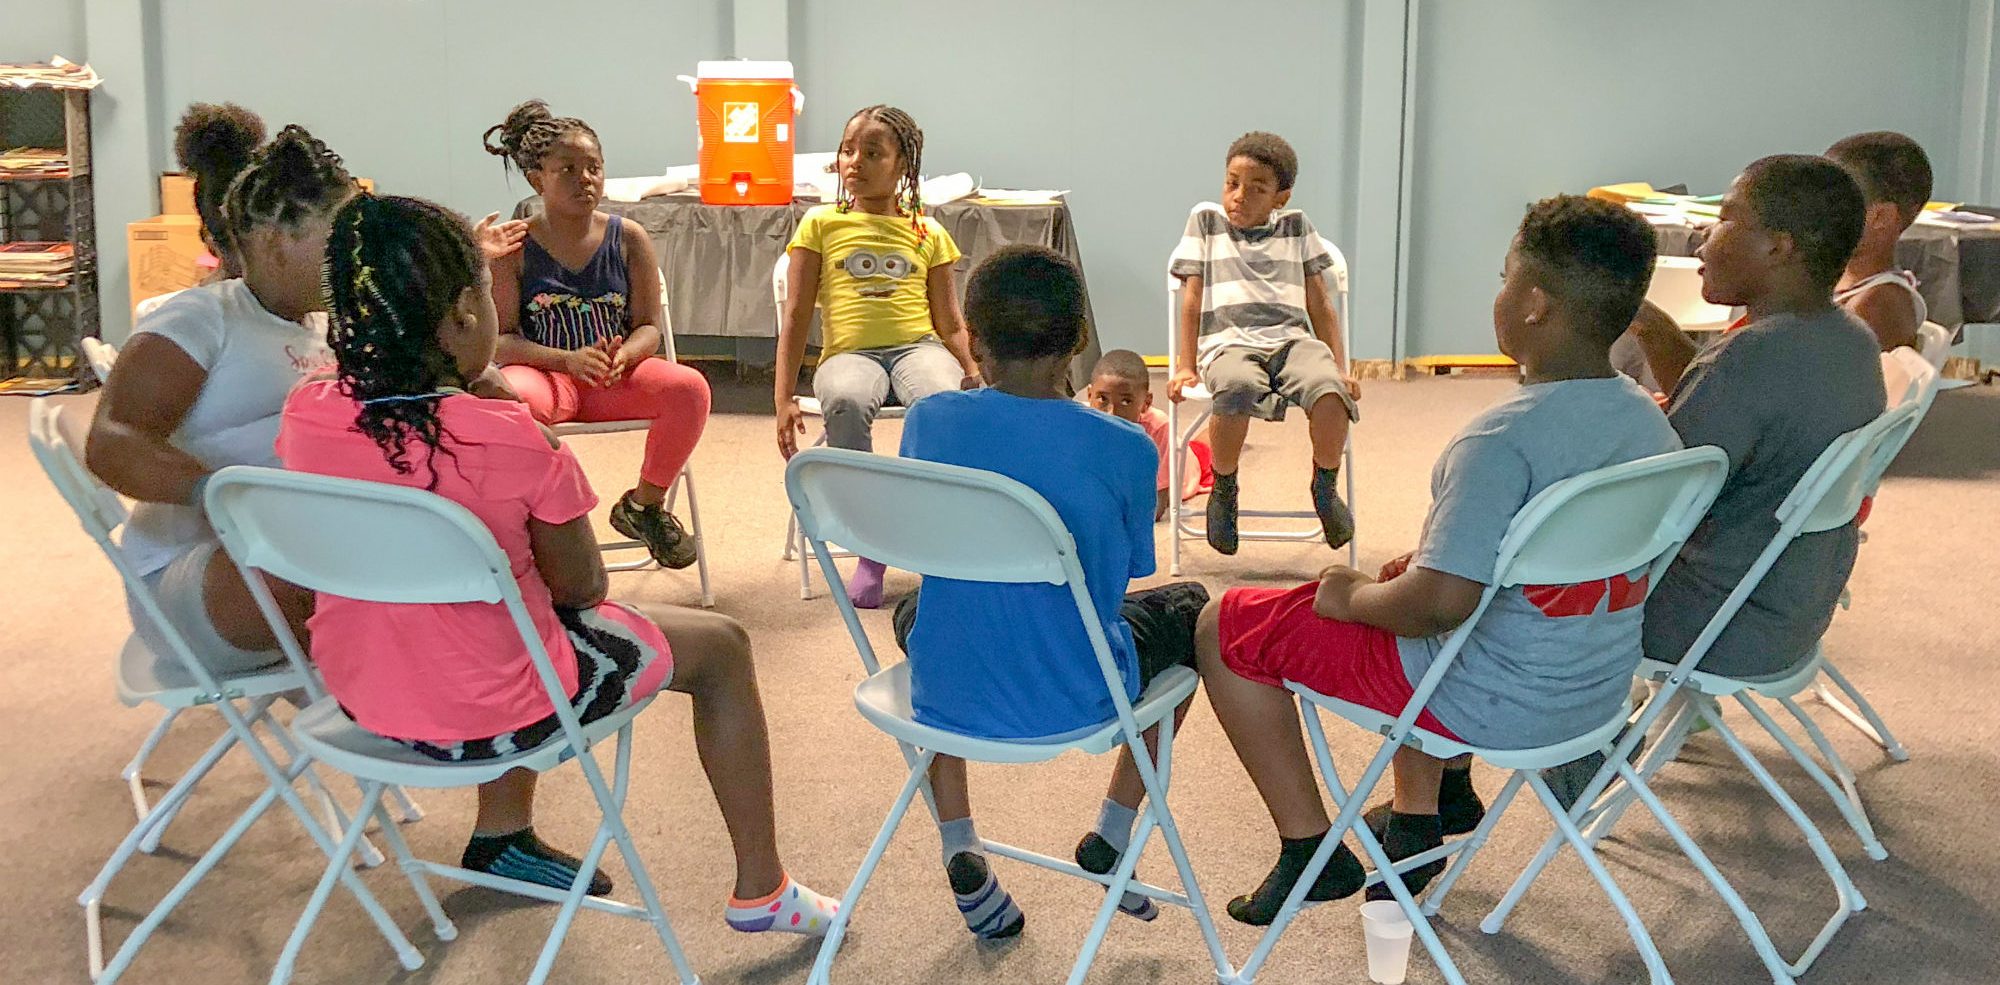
(32, 265)
(33, 163)
(56, 73)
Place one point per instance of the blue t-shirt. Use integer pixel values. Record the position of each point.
(1012, 661)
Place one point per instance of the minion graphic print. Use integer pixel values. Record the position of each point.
(874, 276)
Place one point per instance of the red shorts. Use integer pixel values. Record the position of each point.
(1272, 635)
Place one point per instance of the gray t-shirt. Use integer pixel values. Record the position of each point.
(1545, 663)
(1773, 395)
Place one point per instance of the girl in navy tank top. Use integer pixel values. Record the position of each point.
(580, 313)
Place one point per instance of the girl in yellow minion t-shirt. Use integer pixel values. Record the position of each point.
(880, 272)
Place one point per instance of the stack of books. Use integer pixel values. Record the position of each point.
(33, 163)
(36, 265)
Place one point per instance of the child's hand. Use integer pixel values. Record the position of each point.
(492, 385)
(1396, 567)
(1336, 589)
(590, 365)
(1353, 387)
(791, 424)
(497, 239)
(1182, 379)
(625, 356)
(971, 381)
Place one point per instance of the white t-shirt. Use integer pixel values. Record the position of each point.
(253, 359)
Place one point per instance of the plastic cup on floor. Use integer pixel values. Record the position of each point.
(1388, 932)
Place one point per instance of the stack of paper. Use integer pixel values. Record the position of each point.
(33, 162)
(56, 73)
(31, 264)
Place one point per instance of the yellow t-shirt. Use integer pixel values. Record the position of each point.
(873, 276)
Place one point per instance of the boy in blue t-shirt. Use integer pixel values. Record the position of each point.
(1012, 661)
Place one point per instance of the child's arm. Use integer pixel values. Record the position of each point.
(1886, 310)
(1184, 375)
(801, 290)
(1668, 349)
(588, 364)
(566, 554)
(948, 321)
(1326, 327)
(1416, 602)
(643, 317)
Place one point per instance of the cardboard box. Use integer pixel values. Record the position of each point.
(165, 254)
(177, 192)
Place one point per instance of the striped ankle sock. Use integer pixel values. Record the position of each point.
(988, 910)
(520, 855)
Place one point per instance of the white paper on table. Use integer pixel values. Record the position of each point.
(634, 189)
(948, 188)
(1036, 196)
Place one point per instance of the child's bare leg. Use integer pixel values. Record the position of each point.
(1226, 433)
(949, 790)
(1327, 421)
(506, 805)
(988, 910)
(504, 842)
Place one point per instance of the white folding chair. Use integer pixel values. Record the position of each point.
(1178, 515)
(795, 538)
(910, 515)
(100, 355)
(1591, 527)
(686, 478)
(1934, 344)
(1825, 498)
(1676, 290)
(177, 680)
(391, 544)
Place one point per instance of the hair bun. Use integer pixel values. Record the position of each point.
(515, 128)
(217, 140)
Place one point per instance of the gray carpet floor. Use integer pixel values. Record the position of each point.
(1919, 640)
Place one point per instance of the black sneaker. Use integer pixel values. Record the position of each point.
(1336, 521)
(663, 535)
(1221, 518)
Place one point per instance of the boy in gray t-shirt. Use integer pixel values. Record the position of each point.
(1544, 663)
(1773, 394)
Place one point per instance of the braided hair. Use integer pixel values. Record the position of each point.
(214, 143)
(528, 132)
(288, 181)
(395, 267)
(910, 145)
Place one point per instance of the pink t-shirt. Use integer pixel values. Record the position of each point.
(1154, 420)
(444, 673)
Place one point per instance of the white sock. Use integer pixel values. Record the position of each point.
(793, 908)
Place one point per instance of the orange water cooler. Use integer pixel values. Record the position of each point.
(745, 111)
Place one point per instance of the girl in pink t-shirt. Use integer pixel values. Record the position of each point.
(411, 324)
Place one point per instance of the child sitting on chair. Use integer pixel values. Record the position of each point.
(880, 271)
(412, 325)
(1121, 386)
(1012, 661)
(1545, 663)
(1895, 179)
(1258, 329)
(580, 316)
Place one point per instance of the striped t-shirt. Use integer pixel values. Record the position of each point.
(1253, 280)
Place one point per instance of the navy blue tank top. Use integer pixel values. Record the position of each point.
(571, 309)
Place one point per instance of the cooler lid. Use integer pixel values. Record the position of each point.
(743, 69)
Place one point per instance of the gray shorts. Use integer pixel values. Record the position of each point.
(180, 588)
(1248, 382)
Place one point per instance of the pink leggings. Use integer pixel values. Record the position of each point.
(674, 397)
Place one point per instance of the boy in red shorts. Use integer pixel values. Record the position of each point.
(1545, 663)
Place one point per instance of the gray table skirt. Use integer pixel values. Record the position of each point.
(1958, 270)
(719, 258)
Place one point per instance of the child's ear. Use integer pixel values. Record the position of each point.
(1886, 215)
(1283, 197)
(535, 180)
(1539, 306)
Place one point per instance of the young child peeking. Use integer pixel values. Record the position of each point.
(1545, 663)
(1121, 386)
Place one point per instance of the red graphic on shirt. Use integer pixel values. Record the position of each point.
(1581, 599)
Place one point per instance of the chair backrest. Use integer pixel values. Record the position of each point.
(911, 515)
(1676, 290)
(368, 541)
(671, 351)
(1934, 344)
(1589, 527)
(1336, 277)
(1907, 375)
(100, 354)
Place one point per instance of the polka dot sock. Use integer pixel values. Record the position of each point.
(793, 908)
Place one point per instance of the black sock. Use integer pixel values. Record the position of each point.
(1408, 835)
(1220, 517)
(523, 856)
(1336, 521)
(1341, 878)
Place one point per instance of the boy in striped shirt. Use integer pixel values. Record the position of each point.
(1258, 329)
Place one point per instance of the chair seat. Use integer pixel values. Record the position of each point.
(1780, 685)
(599, 427)
(326, 732)
(889, 412)
(884, 699)
(1532, 758)
(146, 677)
